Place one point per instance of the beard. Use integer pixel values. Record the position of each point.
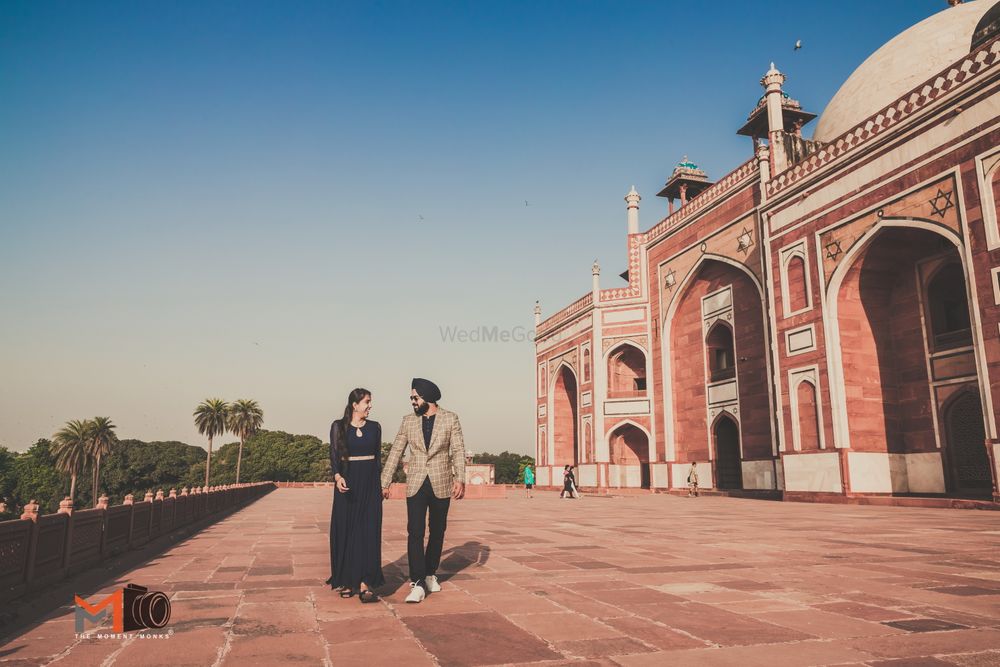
(421, 409)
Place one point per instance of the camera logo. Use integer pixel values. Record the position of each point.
(132, 608)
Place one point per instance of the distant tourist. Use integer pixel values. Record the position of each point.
(435, 474)
(569, 483)
(693, 480)
(356, 520)
(529, 480)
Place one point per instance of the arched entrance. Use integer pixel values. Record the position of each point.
(629, 447)
(565, 425)
(907, 356)
(714, 333)
(966, 449)
(626, 372)
(728, 471)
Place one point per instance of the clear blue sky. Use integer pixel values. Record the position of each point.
(225, 198)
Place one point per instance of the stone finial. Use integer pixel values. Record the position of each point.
(159, 494)
(632, 210)
(204, 489)
(173, 493)
(66, 505)
(31, 511)
(3, 507)
(184, 491)
(129, 499)
(102, 502)
(148, 498)
(595, 270)
(772, 79)
(633, 198)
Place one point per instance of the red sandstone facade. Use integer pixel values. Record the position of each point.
(822, 321)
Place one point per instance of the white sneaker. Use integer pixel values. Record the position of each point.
(431, 581)
(417, 593)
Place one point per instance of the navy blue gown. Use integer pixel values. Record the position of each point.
(356, 519)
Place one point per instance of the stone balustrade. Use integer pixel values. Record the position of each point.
(37, 550)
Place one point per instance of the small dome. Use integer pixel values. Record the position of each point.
(902, 64)
(686, 164)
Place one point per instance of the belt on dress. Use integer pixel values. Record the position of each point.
(361, 458)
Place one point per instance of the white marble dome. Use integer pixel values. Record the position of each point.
(902, 64)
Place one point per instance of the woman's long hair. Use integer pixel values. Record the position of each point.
(356, 396)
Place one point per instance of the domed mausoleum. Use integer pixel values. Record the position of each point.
(823, 322)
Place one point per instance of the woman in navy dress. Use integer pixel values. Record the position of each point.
(356, 519)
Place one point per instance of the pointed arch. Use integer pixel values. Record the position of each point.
(831, 324)
(564, 411)
(626, 364)
(666, 341)
(720, 346)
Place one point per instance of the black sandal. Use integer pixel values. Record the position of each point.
(346, 593)
(368, 595)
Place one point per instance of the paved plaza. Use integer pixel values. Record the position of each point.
(630, 581)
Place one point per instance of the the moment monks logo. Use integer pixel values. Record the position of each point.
(132, 608)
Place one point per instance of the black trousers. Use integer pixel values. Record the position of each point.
(418, 506)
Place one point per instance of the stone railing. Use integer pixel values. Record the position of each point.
(566, 313)
(735, 179)
(37, 550)
(974, 66)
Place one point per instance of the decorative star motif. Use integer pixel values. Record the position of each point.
(744, 241)
(833, 250)
(670, 279)
(941, 203)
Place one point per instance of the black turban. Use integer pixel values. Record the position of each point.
(427, 390)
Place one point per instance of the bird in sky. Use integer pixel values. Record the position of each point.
(420, 218)
(798, 45)
(525, 202)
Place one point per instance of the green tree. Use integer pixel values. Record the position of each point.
(7, 480)
(245, 418)
(210, 418)
(274, 455)
(508, 467)
(37, 478)
(102, 439)
(136, 466)
(71, 448)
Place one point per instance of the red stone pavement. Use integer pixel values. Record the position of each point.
(630, 581)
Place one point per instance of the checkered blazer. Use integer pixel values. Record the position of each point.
(443, 461)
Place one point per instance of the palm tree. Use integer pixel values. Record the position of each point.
(210, 418)
(102, 438)
(245, 419)
(72, 450)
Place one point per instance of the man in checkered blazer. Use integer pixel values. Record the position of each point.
(434, 475)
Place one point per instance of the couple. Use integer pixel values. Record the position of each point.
(435, 475)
